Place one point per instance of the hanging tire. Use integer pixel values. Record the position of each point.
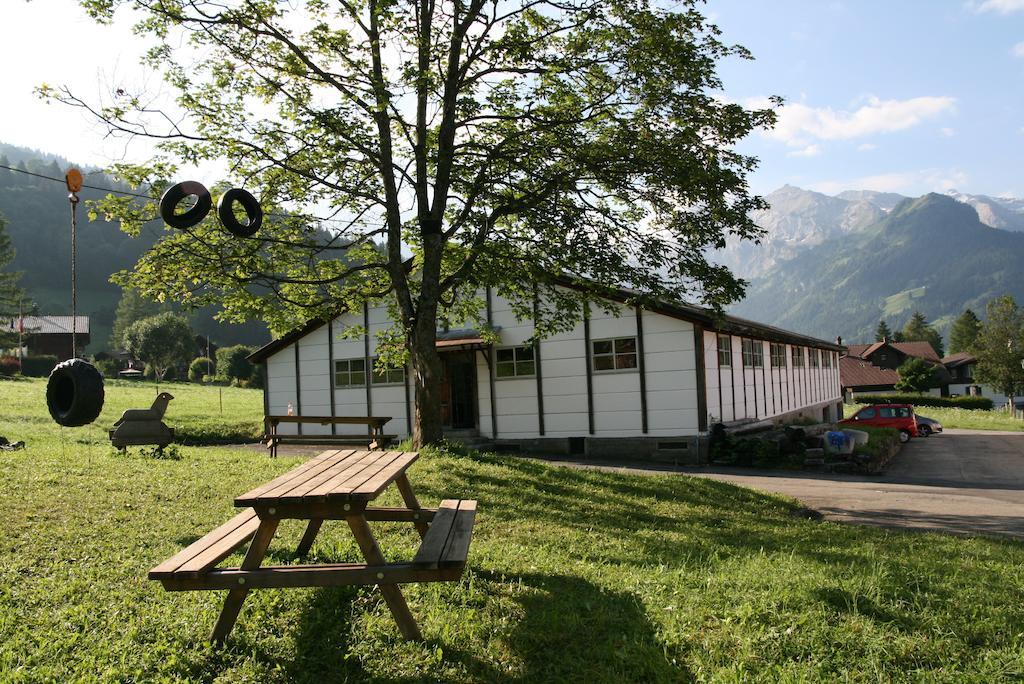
(74, 393)
(253, 211)
(174, 195)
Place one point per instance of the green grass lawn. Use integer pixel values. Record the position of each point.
(965, 419)
(574, 575)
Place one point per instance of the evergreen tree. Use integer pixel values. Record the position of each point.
(1000, 347)
(132, 307)
(918, 330)
(882, 332)
(11, 296)
(964, 332)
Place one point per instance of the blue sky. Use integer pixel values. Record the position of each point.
(906, 95)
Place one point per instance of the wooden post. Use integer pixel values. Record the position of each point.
(409, 497)
(253, 558)
(309, 536)
(391, 593)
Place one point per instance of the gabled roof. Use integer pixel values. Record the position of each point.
(50, 325)
(687, 312)
(920, 350)
(857, 372)
(958, 359)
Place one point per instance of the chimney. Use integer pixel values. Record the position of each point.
(885, 339)
(839, 340)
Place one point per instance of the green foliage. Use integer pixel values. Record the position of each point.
(109, 367)
(9, 365)
(38, 366)
(967, 403)
(161, 341)
(880, 441)
(915, 375)
(964, 332)
(882, 332)
(840, 286)
(999, 347)
(233, 364)
(132, 307)
(12, 297)
(918, 330)
(199, 368)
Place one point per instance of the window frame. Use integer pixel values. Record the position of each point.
(799, 358)
(614, 355)
(349, 372)
(728, 351)
(515, 362)
(752, 352)
(815, 357)
(781, 348)
(374, 374)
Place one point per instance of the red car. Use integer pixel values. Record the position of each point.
(898, 416)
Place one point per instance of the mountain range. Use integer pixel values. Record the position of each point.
(938, 254)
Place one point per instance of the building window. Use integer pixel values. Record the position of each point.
(798, 357)
(350, 373)
(753, 353)
(815, 358)
(617, 354)
(778, 355)
(389, 375)
(515, 362)
(724, 351)
(826, 359)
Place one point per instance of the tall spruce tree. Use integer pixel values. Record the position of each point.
(12, 297)
(917, 329)
(509, 145)
(882, 332)
(964, 332)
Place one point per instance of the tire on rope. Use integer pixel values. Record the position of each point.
(226, 213)
(174, 195)
(74, 393)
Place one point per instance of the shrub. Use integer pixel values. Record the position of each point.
(150, 373)
(974, 403)
(257, 379)
(38, 366)
(9, 365)
(200, 368)
(109, 367)
(232, 364)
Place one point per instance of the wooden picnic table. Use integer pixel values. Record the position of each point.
(336, 485)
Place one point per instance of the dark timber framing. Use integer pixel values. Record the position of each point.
(590, 370)
(490, 368)
(702, 382)
(330, 361)
(537, 368)
(641, 366)
(764, 383)
(408, 403)
(718, 366)
(266, 389)
(298, 388)
(368, 364)
(732, 374)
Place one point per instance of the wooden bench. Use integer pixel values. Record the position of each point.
(374, 439)
(441, 557)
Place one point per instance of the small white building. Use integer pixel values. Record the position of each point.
(644, 382)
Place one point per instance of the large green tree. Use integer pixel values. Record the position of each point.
(917, 329)
(456, 144)
(964, 332)
(161, 341)
(12, 297)
(915, 375)
(883, 333)
(999, 347)
(131, 308)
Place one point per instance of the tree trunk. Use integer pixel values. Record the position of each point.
(427, 373)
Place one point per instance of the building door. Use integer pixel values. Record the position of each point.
(458, 391)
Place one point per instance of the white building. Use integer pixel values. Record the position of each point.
(645, 382)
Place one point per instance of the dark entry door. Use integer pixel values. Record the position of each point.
(458, 391)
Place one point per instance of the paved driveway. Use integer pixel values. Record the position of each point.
(962, 481)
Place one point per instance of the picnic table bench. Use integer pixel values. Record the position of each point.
(336, 485)
(374, 438)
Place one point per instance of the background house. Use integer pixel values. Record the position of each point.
(961, 370)
(872, 368)
(51, 335)
(644, 382)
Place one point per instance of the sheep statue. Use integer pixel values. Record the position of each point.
(143, 426)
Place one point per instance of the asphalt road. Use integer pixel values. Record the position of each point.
(962, 481)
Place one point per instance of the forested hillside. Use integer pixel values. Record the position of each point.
(39, 223)
(931, 254)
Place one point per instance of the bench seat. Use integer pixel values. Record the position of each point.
(205, 553)
(446, 544)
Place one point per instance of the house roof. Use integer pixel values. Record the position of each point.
(958, 359)
(857, 372)
(687, 312)
(50, 325)
(920, 350)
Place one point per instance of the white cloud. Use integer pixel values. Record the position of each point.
(809, 151)
(866, 147)
(906, 182)
(799, 124)
(947, 132)
(1018, 50)
(1000, 6)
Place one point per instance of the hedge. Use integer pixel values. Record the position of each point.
(9, 365)
(38, 366)
(974, 403)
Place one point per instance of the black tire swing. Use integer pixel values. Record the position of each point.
(225, 208)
